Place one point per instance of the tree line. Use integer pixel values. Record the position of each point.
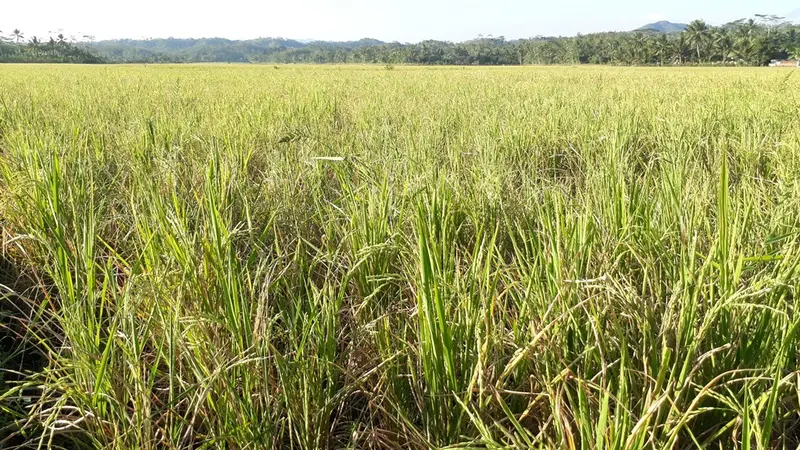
(753, 41)
(16, 47)
(743, 42)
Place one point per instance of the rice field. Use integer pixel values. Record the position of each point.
(326, 257)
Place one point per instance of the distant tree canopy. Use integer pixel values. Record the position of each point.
(743, 42)
(56, 49)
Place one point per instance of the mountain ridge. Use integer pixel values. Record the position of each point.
(663, 26)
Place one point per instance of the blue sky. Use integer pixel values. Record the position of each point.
(389, 20)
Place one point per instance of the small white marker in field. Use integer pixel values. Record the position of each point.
(327, 158)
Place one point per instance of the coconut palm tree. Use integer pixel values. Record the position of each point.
(17, 35)
(662, 46)
(51, 46)
(743, 50)
(723, 44)
(638, 46)
(681, 49)
(697, 34)
(35, 45)
(747, 28)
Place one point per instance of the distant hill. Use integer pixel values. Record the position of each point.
(190, 50)
(366, 42)
(664, 27)
(213, 49)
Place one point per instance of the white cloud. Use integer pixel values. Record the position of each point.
(655, 17)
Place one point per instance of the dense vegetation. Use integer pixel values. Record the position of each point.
(57, 49)
(353, 257)
(743, 42)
